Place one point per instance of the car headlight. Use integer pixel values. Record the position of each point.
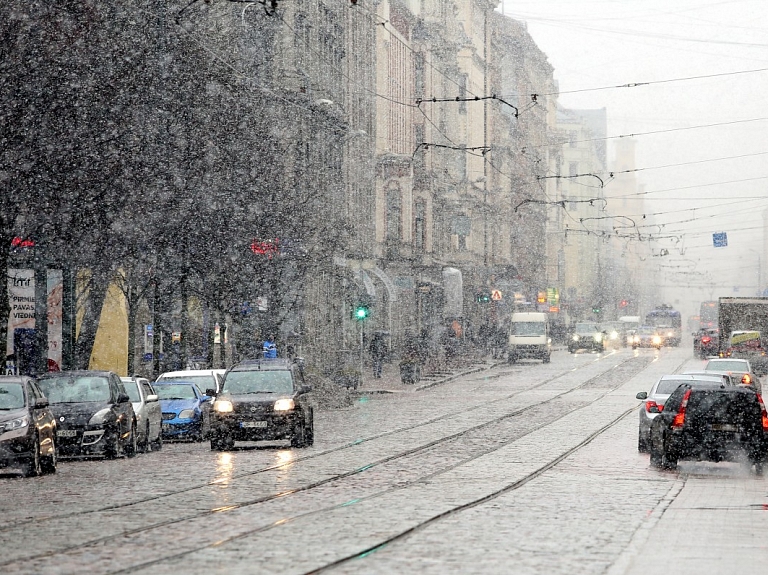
(656, 339)
(598, 337)
(223, 406)
(284, 405)
(614, 335)
(187, 414)
(636, 339)
(575, 338)
(101, 417)
(670, 334)
(19, 423)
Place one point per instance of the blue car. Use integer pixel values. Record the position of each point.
(186, 410)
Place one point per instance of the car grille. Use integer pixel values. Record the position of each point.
(169, 415)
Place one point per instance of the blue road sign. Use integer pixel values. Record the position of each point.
(720, 240)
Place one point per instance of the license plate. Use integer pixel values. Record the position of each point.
(67, 433)
(253, 424)
(725, 427)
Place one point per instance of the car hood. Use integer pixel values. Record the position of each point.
(77, 413)
(12, 414)
(177, 405)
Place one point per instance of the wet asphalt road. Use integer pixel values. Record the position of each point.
(520, 469)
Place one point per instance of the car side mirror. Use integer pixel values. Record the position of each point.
(206, 398)
(123, 398)
(210, 393)
(642, 395)
(151, 398)
(41, 403)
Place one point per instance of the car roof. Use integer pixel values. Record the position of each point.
(721, 387)
(267, 364)
(697, 376)
(175, 382)
(717, 360)
(187, 372)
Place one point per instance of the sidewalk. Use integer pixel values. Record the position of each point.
(389, 382)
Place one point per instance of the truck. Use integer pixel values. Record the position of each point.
(529, 337)
(743, 327)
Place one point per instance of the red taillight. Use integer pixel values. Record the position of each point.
(653, 407)
(746, 379)
(764, 413)
(706, 339)
(679, 420)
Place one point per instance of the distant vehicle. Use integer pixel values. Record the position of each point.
(743, 314)
(529, 337)
(710, 423)
(27, 427)
(263, 400)
(738, 368)
(647, 336)
(746, 345)
(657, 396)
(186, 413)
(708, 312)
(615, 333)
(94, 414)
(630, 323)
(586, 335)
(668, 322)
(706, 343)
(203, 378)
(146, 406)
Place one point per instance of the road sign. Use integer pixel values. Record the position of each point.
(496, 295)
(720, 240)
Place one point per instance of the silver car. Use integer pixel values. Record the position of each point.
(654, 400)
(148, 414)
(739, 369)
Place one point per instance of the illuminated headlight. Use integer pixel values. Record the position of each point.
(19, 423)
(575, 338)
(656, 340)
(223, 406)
(670, 334)
(614, 335)
(598, 337)
(101, 416)
(636, 339)
(187, 414)
(284, 405)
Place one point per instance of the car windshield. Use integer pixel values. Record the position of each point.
(268, 381)
(528, 328)
(586, 328)
(11, 396)
(75, 389)
(646, 331)
(132, 389)
(726, 365)
(175, 391)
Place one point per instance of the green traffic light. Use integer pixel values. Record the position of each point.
(361, 313)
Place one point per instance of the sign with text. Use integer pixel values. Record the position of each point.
(720, 240)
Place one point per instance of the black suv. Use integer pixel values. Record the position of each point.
(263, 399)
(710, 422)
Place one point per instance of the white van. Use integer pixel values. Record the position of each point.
(529, 337)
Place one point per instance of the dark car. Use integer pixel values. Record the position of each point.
(586, 335)
(262, 400)
(27, 427)
(185, 410)
(706, 343)
(710, 423)
(94, 414)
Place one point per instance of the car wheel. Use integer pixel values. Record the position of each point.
(309, 434)
(114, 448)
(642, 443)
(132, 447)
(299, 438)
(547, 359)
(49, 462)
(32, 468)
(146, 445)
(157, 445)
(655, 455)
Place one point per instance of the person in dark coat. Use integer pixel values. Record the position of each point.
(378, 349)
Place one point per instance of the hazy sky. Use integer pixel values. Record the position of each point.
(601, 43)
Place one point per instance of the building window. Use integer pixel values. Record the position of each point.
(393, 215)
(420, 226)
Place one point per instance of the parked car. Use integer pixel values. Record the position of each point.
(710, 423)
(146, 406)
(27, 427)
(655, 399)
(203, 378)
(740, 369)
(586, 335)
(706, 343)
(94, 414)
(647, 336)
(184, 410)
(263, 400)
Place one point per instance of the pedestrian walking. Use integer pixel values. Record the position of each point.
(378, 349)
(269, 348)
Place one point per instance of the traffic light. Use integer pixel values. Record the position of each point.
(596, 309)
(623, 303)
(361, 311)
(483, 296)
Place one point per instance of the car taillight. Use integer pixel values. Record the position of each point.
(746, 379)
(653, 407)
(763, 413)
(679, 420)
(706, 339)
